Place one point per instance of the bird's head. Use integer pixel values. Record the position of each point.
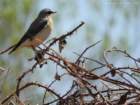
(45, 13)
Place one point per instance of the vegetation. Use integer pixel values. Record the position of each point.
(103, 73)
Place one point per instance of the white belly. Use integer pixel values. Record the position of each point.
(38, 39)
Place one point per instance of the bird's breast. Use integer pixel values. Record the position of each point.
(40, 37)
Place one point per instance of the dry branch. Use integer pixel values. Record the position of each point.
(84, 79)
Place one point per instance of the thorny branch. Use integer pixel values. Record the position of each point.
(115, 84)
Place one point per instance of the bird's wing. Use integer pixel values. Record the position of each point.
(34, 28)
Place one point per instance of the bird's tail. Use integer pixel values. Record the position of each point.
(13, 49)
(8, 49)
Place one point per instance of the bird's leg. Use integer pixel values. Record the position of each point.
(34, 50)
(38, 55)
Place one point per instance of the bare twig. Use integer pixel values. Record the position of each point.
(29, 85)
(89, 86)
(65, 35)
(77, 61)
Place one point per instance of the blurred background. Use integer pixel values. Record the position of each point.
(115, 22)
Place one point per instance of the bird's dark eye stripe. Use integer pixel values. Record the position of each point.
(49, 12)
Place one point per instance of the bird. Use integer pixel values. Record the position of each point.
(38, 31)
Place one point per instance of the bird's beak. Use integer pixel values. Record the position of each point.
(53, 12)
